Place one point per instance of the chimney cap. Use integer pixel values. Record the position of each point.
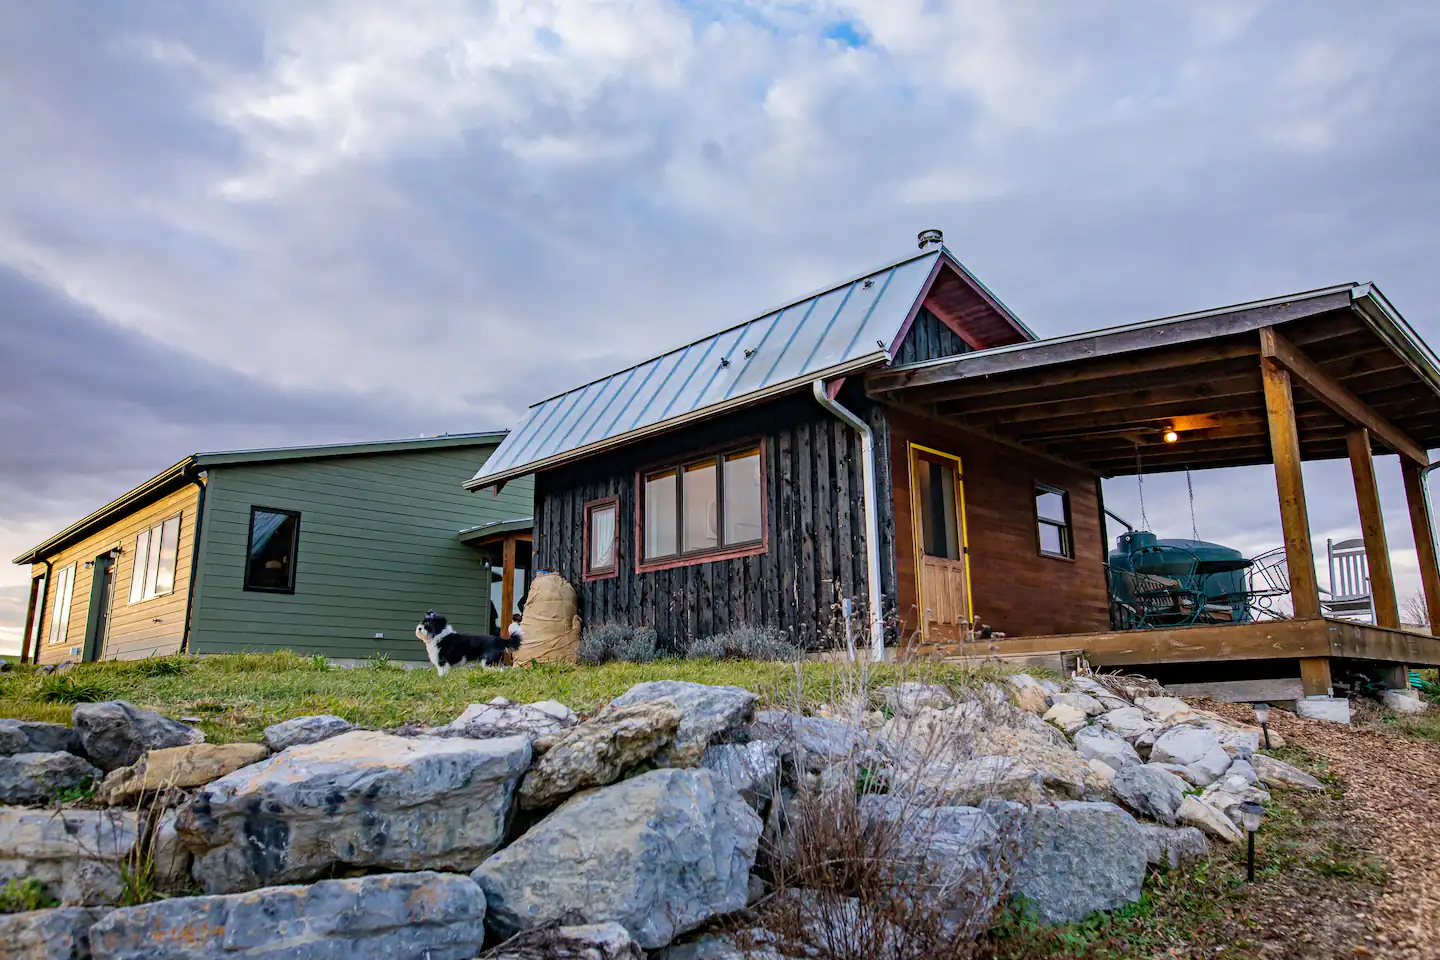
(927, 237)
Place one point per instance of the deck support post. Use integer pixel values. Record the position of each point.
(507, 588)
(1422, 525)
(1290, 484)
(1372, 526)
(1315, 677)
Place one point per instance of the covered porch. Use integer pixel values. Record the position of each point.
(1330, 374)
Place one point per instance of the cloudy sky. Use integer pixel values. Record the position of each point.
(226, 224)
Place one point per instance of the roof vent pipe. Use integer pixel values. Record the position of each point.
(927, 237)
(872, 516)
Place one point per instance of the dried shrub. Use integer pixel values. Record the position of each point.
(613, 641)
(743, 643)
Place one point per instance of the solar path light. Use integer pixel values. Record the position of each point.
(1262, 716)
(1251, 813)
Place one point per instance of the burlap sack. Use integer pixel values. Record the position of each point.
(550, 623)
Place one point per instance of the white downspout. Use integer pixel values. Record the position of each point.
(872, 514)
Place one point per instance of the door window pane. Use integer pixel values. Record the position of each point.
(602, 521)
(660, 519)
(270, 560)
(939, 519)
(700, 505)
(743, 494)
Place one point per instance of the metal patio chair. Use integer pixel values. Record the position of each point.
(1268, 579)
(1349, 596)
(1165, 588)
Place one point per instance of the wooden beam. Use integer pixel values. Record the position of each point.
(1372, 526)
(1422, 526)
(507, 588)
(1290, 485)
(1246, 384)
(1315, 677)
(1329, 390)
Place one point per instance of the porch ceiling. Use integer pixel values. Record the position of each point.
(1101, 398)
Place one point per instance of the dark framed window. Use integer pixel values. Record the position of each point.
(270, 554)
(602, 527)
(709, 508)
(1052, 520)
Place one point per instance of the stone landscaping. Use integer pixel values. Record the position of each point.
(666, 825)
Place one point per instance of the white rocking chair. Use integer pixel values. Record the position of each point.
(1349, 596)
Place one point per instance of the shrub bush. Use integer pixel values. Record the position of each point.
(611, 641)
(744, 643)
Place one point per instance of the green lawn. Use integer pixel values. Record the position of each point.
(236, 696)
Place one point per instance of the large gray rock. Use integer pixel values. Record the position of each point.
(1278, 773)
(598, 752)
(713, 947)
(171, 860)
(708, 715)
(816, 738)
(59, 934)
(1128, 722)
(395, 916)
(77, 854)
(1149, 791)
(1199, 813)
(912, 696)
(1107, 746)
(970, 781)
(1084, 857)
(363, 799)
(660, 854)
(31, 736)
(293, 733)
(595, 941)
(752, 769)
(1081, 701)
(1194, 748)
(1172, 846)
(504, 718)
(116, 733)
(38, 777)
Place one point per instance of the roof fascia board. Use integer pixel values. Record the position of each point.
(995, 302)
(1390, 326)
(222, 458)
(481, 481)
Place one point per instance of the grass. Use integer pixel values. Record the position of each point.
(237, 695)
(19, 896)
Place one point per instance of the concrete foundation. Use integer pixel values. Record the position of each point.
(1334, 709)
(1405, 701)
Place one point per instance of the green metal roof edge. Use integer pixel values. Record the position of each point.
(317, 451)
(495, 527)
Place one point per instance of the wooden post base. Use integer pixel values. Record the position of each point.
(1315, 677)
(1397, 677)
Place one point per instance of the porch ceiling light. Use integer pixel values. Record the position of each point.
(1170, 435)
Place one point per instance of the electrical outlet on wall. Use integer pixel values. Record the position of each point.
(379, 636)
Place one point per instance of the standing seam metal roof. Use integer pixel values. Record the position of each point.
(828, 333)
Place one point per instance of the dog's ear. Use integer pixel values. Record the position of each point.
(429, 614)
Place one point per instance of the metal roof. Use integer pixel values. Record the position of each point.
(829, 333)
(496, 528)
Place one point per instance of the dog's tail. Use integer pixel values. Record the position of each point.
(512, 642)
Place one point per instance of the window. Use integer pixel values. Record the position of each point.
(705, 507)
(940, 526)
(270, 559)
(60, 610)
(601, 523)
(153, 571)
(1052, 512)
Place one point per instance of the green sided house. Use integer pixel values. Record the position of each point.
(337, 550)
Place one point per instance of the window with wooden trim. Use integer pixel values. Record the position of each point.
(60, 605)
(152, 573)
(270, 553)
(1052, 517)
(602, 522)
(713, 505)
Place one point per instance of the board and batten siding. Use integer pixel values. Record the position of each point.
(377, 547)
(815, 528)
(146, 628)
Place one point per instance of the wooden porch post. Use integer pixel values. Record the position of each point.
(1294, 519)
(1422, 524)
(507, 586)
(1315, 677)
(1372, 526)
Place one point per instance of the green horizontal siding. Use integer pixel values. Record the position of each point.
(378, 547)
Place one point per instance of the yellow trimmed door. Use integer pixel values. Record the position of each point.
(937, 498)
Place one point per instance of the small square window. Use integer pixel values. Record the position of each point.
(270, 556)
(602, 524)
(1052, 516)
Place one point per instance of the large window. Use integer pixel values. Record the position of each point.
(1052, 515)
(601, 523)
(710, 506)
(60, 608)
(153, 571)
(270, 559)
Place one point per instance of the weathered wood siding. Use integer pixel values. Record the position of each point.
(929, 339)
(815, 529)
(143, 629)
(1015, 588)
(377, 547)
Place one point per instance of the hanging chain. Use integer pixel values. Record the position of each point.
(1140, 480)
(1194, 533)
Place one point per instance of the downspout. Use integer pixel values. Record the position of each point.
(199, 479)
(872, 513)
(39, 620)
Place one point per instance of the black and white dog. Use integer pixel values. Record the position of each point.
(448, 648)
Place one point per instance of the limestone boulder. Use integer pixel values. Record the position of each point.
(1029, 694)
(1173, 846)
(171, 860)
(599, 751)
(504, 718)
(1128, 722)
(30, 736)
(708, 714)
(1197, 813)
(1149, 792)
(293, 733)
(1083, 701)
(39, 777)
(1083, 857)
(1106, 746)
(968, 782)
(1068, 718)
(660, 854)
(752, 769)
(77, 855)
(1405, 701)
(594, 941)
(1243, 769)
(394, 916)
(1278, 773)
(181, 767)
(362, 800)
(1194, 748)
(1166, 710)
(62, 933)
(1182, 772)
(912, 696)
(116, 733)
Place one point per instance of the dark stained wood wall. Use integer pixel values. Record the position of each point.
(929, 338)
(816, 528)
(1016, 590)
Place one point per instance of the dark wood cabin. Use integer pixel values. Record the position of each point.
(724, 483)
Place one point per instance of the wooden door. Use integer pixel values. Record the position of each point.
(942, 577)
